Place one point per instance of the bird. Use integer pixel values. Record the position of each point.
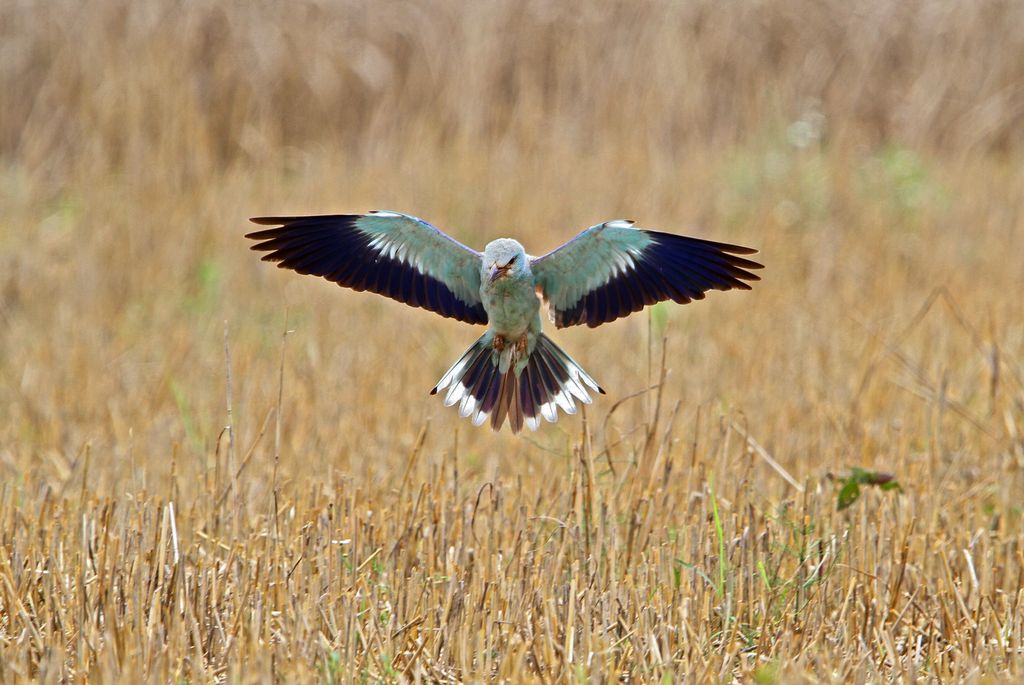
(514, 370)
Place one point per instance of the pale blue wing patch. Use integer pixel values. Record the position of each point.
(588, 261)
(413, 241)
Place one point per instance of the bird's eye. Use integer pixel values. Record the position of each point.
(512, 261)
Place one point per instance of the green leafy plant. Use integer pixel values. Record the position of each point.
(849, 490)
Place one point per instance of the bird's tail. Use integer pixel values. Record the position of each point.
(524, 392)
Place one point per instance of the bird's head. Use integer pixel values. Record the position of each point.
(502, 257)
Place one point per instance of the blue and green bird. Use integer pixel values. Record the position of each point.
(514, 370)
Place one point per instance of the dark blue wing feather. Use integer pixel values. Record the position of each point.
(392, 254)
(612, 269)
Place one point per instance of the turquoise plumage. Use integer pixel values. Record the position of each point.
(514, 370)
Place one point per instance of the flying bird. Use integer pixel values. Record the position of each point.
(514, 370)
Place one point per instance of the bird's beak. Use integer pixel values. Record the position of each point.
(496, 272)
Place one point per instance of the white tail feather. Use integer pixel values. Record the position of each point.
(550, 380)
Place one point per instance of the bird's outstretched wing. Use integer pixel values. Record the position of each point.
(612, 269)
(392, 254)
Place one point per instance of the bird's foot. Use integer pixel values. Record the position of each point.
(518, 347)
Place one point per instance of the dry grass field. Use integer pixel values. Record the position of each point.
(215, 471)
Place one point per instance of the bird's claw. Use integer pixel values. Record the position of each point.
(520, 346)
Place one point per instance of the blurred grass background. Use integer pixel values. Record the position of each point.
(872, 151)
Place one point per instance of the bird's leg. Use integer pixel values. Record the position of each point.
(520, 353)
(502, 353)
(522, 345)
(509, 353)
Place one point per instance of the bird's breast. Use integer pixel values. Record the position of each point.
(511, 305)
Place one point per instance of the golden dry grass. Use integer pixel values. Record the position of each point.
(189, 495)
